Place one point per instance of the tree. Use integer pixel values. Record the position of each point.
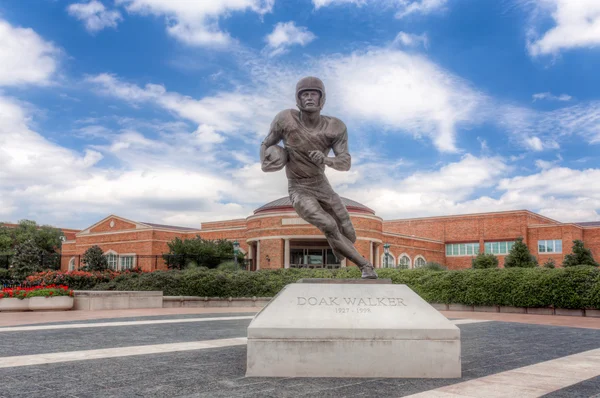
(6, 240)
(484, 260)
(199, 252)
(520, 256)
(27, 260)
(580, 256)
(45, 237)
(94, 259)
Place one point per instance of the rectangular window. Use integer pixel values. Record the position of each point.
(126, 262)
(550, 246)
(462, 249)
(498, 247)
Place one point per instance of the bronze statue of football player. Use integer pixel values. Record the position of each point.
(308, 137)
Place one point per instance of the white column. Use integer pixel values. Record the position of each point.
(377, 258)
(257, 255)
(371, 252)
(343, 264)
(286, 253)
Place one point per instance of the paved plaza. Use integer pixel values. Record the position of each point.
(202, 353)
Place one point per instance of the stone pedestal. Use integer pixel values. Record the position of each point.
(352, 329)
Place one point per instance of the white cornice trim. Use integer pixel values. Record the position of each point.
(306, 237)
(412, 237)
(121, 242)
(475, 215)
(221, 229)
(138, 225)
(293, 212)
(554, 225)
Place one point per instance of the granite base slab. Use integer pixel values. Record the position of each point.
(352, 330)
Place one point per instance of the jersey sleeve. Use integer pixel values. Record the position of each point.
(342, 160)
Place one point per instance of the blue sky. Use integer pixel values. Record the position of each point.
(155, 109)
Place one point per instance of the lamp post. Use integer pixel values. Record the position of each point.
(236, 247)
(386, 250)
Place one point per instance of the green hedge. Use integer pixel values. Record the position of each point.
(577, 287)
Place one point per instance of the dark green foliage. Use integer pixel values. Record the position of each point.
(520, 256)
(27, 260)
(5, 273)
(550, 263)
(433, 266)
(484, 260)
(577, 287)
(580, 256)
(229, 266)
(94, 259)
(45, 237)
(198, 252)
(6, 240)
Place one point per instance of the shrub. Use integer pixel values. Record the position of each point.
(577, 287)
(229, 266)
(78, 280)
(484, 260)
(94, 259)
(550, 263)
(433, 266)
(520, 256)
(202, 252)
(580, 256)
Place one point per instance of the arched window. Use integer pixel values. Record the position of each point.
(391, 261)
(72, 264)
(420, 261)
(404, 261)
(111, 259)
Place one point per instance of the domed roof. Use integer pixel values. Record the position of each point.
(285, 203)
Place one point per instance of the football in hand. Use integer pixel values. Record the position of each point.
(275, 159)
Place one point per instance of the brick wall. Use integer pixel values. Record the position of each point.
(274, 249)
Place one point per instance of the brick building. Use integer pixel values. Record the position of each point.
(275, 237)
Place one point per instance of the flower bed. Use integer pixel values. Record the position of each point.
(43, 297)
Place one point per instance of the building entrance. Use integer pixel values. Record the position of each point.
(313, 257)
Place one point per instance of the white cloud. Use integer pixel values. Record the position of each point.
(95, 16)
(171, 179)
(196, 22)
(411, 40)
(534, 143)
(582, 120)
(550, 96)
(577, 25)
(398, 91)
(409, 7)
(403, 7)
(225, 112)
(286, 34)
(324, 3)
(402, 92)
(25, 57)
(561, 193)
(424, 193)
